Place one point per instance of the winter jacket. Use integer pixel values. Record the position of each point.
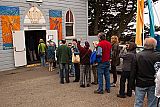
(85, 54)
(51, 53)
(115, 54)
(63, 53)
(128, 60)
(42, 47)
(143, 69)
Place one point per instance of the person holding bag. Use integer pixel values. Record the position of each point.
(75, 52)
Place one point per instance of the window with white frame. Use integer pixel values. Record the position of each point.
(69, 24)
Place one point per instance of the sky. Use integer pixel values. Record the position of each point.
(156, 8)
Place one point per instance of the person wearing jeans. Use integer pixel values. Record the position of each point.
(43, 60)
(75, 51)
(143, 73)
(63, 54)
(103, 57)
(140, 94)
(103, 69)
(42, 52)
(64, 67)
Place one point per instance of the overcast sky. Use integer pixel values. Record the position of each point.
(157, 8)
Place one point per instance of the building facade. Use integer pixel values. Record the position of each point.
(24, 22)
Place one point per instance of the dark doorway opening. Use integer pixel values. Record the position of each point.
(32, 40)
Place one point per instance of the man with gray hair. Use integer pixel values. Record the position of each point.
(143, 73)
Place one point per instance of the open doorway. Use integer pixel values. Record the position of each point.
(32, 40)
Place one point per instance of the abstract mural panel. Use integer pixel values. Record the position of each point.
(55, 18)
(10, 21)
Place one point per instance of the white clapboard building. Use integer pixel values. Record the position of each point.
(24, 22)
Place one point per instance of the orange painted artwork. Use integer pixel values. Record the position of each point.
(56, 24)
(9, 23)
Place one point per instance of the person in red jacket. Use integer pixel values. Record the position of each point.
(103, 52)
(85, 73)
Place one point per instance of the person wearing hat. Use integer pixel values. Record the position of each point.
(85, 73)
(42, 51)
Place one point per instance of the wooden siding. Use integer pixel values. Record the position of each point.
(78, 7)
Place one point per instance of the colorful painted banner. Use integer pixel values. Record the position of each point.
(139, 22)
(151, 18)
(55, 18)
(10, 21)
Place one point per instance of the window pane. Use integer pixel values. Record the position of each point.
(67, 17)
(69, 30)
(71, 17)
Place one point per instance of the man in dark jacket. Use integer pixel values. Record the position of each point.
(144, 72)
(63, 53)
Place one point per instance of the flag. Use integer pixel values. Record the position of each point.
(139, 22)
(151, 18)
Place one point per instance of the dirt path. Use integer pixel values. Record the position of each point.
(36, 87)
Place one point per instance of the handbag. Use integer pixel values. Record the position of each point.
(75, 58)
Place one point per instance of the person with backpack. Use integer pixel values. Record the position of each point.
(94, 63)
(128, 61)
(51, 54)
(103, 52)
(115, 60)
(42, 52)
(85, 73)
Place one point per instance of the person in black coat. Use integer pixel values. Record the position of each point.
(128, 60)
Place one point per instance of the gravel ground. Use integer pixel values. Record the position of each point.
(37, 87)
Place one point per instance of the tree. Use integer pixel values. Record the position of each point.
(110, 16)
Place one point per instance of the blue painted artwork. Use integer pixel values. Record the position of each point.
(55, 13)
(5, 10)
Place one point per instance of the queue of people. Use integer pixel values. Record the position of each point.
(138, 68)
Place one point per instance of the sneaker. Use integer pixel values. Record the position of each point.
(121, 96)
(94, 83)
(68, 81)
(113, 85)
(61, 82)
(129, 95)
(76, 81)
(108, 90)
(98, 92)
(88, 85)
(83, 86)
